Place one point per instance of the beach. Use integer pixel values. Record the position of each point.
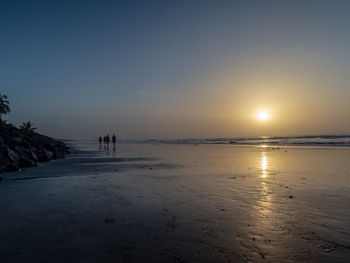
(179, 203)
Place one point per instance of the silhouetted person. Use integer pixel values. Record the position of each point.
(107, 139)
(114, 139)
(104, 142)
(100, 139)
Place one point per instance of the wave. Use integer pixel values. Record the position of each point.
(309, 140)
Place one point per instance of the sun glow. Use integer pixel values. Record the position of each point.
(263, 115)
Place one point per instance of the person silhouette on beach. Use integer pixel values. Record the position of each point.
(114, 139)
(107, 139)
(100, 139)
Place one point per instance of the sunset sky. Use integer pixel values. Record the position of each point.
(177, 69)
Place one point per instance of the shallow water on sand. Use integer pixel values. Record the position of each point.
(180, 203)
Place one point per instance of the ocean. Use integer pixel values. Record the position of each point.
(309, 140)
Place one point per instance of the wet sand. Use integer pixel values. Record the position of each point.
(180, 203)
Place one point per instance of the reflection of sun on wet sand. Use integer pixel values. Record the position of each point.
(180, 203)
(264, 165)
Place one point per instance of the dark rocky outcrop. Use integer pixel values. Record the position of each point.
(20, 148)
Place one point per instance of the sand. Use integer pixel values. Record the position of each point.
(180, 203)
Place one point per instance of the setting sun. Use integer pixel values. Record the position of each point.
(263, 116)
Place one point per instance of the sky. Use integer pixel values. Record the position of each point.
(176, 69)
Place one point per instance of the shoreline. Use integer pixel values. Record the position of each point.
(179, 204)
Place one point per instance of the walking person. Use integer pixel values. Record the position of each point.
(100, 139)
(114, 139)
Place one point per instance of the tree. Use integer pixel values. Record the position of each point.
(4, 105)
(27, 127)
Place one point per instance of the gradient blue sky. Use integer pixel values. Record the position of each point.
(176, 69)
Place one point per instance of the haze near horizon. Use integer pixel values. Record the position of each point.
(184, 69)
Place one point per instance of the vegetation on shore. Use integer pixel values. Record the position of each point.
(23, 147)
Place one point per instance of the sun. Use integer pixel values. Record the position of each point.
(263, 115)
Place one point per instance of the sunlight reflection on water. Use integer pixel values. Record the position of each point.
(265, 197)
(264, 165)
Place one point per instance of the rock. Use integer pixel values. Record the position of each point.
(13, 155)
(24, 162)
(57, 154)
(19, 149)
(291, 196)
(4, 161)
(44, 155)
(18, 139)
(9, 159)
(32, 156)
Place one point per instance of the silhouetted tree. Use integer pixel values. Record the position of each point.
(27, 127)
(4, 105)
